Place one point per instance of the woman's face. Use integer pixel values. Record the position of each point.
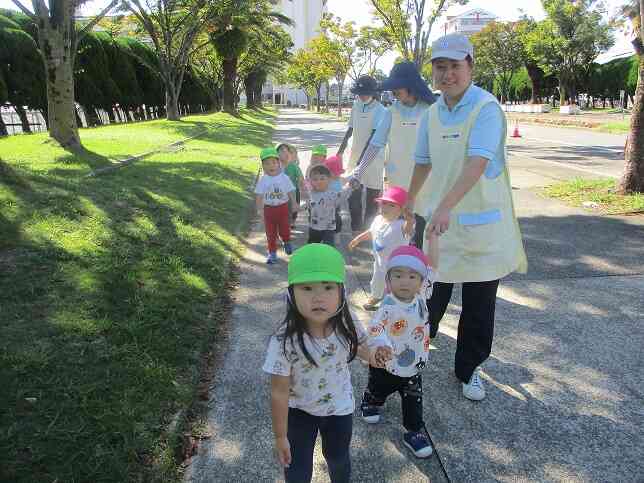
(365, 99)
(404, 96)
(451, 77)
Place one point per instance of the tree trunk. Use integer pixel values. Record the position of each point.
(318, 89)
(249, 88)
(24, 121)
(230, 73)
(340, 86)
(56, 45)
(633, 177)
(257, 95)
(326, 97)
(172, 103)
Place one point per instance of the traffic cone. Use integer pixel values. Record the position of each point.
(515, 133)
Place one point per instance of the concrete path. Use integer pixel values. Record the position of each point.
(565, 386)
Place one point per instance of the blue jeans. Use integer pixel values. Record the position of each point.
(336, 436)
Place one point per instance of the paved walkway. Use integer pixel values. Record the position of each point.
(565, 385)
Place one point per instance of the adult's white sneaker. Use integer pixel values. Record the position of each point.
(474, 389)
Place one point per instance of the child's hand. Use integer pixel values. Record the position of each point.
(283, 451)
(353, 243)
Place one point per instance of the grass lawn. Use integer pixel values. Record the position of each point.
(617, 127)
(602, 192)
(106, 290)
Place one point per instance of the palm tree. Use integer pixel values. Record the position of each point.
(632, 180)
(229, 33)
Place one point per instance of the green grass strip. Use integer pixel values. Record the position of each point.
(602, 192)
(106, 290)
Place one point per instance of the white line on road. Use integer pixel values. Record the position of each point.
(603, 148)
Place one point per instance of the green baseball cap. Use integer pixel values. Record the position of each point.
(268, 153)
(319, 149)
(316, 262)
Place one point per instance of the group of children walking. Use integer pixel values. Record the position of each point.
(308, 356)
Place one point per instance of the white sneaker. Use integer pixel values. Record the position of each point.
(474, 389)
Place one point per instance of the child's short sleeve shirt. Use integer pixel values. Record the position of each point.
(294, 173)
(274, 189)
(386, 236)
(322, 390)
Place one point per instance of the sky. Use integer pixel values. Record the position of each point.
(359, 11)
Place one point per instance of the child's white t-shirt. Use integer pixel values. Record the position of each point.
(403, 327)
(274, 189)
(322, 206)
(386, 236)
(322, 390)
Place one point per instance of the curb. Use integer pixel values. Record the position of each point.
(127, 161)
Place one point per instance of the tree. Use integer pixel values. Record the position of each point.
(569, 40)
(172, 28)
(309, 71)
(498, 52)
(372, 43)
(409, 23)
(525, 27)
(58, 41)
(338, 43)
(230, 30)
(633, 177)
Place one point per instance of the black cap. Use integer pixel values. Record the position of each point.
(365, 86)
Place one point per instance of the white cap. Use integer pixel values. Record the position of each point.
(452, 46)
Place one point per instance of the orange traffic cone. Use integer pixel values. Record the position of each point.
(515, 133)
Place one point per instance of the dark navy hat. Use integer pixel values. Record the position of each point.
(365, 86)
(405, 75)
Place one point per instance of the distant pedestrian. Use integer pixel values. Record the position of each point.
(399, 337)
(387, 231)
(467, 200)
(273, 193)
(366, 114)
(308, 360)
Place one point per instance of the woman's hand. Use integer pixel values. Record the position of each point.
(439, 223)
(283, 451)
(353, 243)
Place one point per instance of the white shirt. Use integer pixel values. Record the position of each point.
(322, 206)
(405, 328)
(322, 390)
(274, 189)
(386, 236)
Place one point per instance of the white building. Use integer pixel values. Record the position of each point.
(468, 23)
(306, 14)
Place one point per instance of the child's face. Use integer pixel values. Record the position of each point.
(317, 159)
(317, 301)
(405, 283)
(320, 182)
(271, 166)
(390, 211)
(284, 155)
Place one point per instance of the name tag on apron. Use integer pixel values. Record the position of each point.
(451, 136)
(408, 123)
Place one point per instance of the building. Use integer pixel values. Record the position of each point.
(468, 23)
(306, 15)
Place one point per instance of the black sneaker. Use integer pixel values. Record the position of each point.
(418, 444)
(371, 414)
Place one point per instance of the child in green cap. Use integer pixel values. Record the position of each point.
(288, 158)
(318, 156)
(308, 360)
(273, 192)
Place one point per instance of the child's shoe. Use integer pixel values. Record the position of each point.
(272, 258)
(288, 248)
(371, 414)
(418, 444)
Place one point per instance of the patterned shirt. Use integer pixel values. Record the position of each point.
(322, 206)
(322, 390)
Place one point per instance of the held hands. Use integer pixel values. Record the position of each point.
(283, 451)
(380, 356)
(439, 223)
(353, 243)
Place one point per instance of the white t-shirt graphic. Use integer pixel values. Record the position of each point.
(274, 189)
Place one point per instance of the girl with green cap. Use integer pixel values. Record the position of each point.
(308, 360)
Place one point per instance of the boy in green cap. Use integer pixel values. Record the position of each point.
(272, 194)
(318, 156)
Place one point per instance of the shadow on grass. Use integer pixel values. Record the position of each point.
(104, 328)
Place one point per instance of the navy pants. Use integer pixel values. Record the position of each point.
(322, 236)
(336, 436)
